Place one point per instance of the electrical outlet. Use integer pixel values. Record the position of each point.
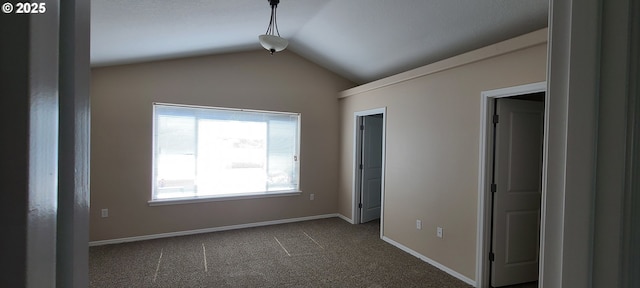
(312, 196)
(418, 224)
(105, 213)
(439, 232)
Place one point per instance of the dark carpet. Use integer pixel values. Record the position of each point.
(319, 253)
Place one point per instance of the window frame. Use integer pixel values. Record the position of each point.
(227, 196)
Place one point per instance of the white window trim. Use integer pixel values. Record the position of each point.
(226, 197)
(203, 199)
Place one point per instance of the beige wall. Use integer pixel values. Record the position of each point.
(121, 151)
(432, 151)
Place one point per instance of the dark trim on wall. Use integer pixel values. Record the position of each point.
(631, 245)
(73, 164)
(44, 122)
(29, 159)
(14, 79)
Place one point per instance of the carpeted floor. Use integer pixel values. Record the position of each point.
(320, 253)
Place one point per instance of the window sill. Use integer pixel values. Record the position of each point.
(176, 201)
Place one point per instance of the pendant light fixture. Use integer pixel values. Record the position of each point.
(272, 40)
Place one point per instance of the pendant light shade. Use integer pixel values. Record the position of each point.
(271, 40)
(273, 43)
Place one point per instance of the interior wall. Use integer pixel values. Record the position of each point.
(432, 152)
(29, 167)
(121, 140)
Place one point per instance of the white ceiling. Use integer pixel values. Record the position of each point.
(362, 40)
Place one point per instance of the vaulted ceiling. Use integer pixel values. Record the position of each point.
(362, 40)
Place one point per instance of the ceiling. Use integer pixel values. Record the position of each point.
(362, 40)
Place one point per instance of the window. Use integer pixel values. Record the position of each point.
(201, 152)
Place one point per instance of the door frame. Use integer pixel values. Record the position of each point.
(357, 147)
(483, 239)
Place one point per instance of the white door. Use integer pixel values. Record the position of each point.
(371, 161)
(518, 188)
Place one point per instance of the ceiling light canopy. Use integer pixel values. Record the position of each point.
(271, 40)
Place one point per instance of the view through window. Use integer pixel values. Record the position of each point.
(215, 152)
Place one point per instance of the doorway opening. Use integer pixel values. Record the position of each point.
(368, 166)
(510, 185)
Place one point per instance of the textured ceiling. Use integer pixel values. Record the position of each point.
(362, 40)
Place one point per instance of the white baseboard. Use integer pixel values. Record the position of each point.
(434, 263)
(345, 218)
(208, 230)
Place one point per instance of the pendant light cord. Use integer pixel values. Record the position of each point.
(273, 23)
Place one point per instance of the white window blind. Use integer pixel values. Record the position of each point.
(216, 152)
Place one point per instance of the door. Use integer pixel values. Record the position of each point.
(518, 188)
(371, 161)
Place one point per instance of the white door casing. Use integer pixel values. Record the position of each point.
(357, 153)
(485, 175)
(518, 179)
(371, 161)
